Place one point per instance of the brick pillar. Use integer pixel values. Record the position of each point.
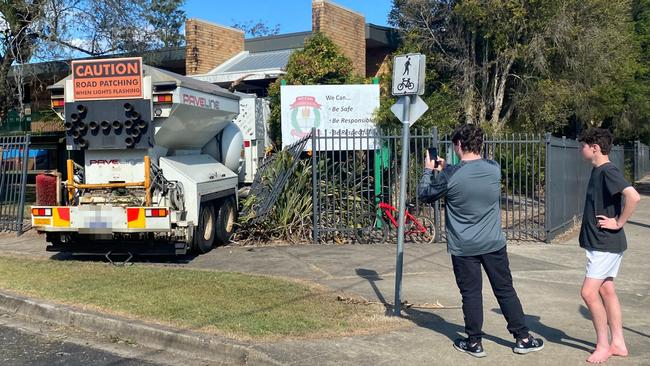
(208, 45)
(346, 28)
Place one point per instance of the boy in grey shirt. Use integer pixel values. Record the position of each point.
(472, 190)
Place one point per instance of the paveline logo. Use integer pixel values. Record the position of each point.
(305, 114)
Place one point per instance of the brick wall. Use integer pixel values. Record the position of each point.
(345, 27)
(208, 45)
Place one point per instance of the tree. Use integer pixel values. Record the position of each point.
(54, 29)
(257, 28)
(443, 101)
(320, 62)
(166, 18)
(635, 124)
(501, 56)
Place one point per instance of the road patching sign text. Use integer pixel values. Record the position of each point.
(117, 78)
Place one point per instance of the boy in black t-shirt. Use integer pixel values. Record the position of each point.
(602, 236)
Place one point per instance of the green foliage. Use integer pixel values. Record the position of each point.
(292, 211)
(635, 124)
(341, 196)
(535, 65)
(444, 107)
(320, 62)
(167, 17)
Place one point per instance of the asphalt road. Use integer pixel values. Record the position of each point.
(18, 347)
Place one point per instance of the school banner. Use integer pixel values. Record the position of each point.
(334, 110)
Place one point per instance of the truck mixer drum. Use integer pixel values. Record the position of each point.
(105, 125)
(93, 125)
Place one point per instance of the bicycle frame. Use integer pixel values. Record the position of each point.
(388, 212)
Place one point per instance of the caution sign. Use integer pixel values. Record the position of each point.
(116, 78)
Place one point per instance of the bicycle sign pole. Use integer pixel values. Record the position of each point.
(408, 83)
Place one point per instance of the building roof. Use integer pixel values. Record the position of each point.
(277, 42)
(267, 57)
(271, 60)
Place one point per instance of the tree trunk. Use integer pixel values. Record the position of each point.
(495, 121)
(469, 80)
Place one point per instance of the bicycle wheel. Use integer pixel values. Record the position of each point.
(370, 229)
(400, 86)
(417, 235)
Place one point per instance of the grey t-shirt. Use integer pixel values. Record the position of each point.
(473, 215)
(604, 197)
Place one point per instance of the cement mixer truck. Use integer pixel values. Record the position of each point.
(154, 160)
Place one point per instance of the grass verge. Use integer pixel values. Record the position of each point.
(231, 304)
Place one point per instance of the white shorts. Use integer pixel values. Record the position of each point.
(601, 265)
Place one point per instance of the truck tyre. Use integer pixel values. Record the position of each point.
(204, 230)
(226, 219)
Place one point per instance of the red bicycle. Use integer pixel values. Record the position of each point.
(371, 228)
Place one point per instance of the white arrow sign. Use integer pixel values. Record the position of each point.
(415, 111)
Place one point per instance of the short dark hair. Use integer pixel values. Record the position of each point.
(598, 136)
(470, 137)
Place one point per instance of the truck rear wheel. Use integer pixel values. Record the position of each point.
(204, 232)
(226, 218)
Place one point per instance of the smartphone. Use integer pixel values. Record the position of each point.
(433, 155)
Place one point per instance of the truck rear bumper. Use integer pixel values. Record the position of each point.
(100, 219)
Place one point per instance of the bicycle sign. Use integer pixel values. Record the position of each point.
(405, 84)
(408, 74)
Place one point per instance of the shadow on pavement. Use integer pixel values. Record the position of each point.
(630, 222)
(584, 311)
(423, 319)
(372, 276)
(554, 335)
(436, 323)
(119, 259)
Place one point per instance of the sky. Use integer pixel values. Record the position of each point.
(291, 15)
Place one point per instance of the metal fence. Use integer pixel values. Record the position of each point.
(641, 160)
(354, 172)
(14, 157)
(543, 181)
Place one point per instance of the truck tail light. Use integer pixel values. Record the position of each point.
(64, 213)
(247, 143)
(41, 211)
(155, 212)
(163, 98)
(58, 103)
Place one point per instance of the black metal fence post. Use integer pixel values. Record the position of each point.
(314, 185)
(547, 188)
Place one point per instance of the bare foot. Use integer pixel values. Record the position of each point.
(618, 349)
(600, 355)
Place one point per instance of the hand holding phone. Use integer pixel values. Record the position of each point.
(433, 161)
